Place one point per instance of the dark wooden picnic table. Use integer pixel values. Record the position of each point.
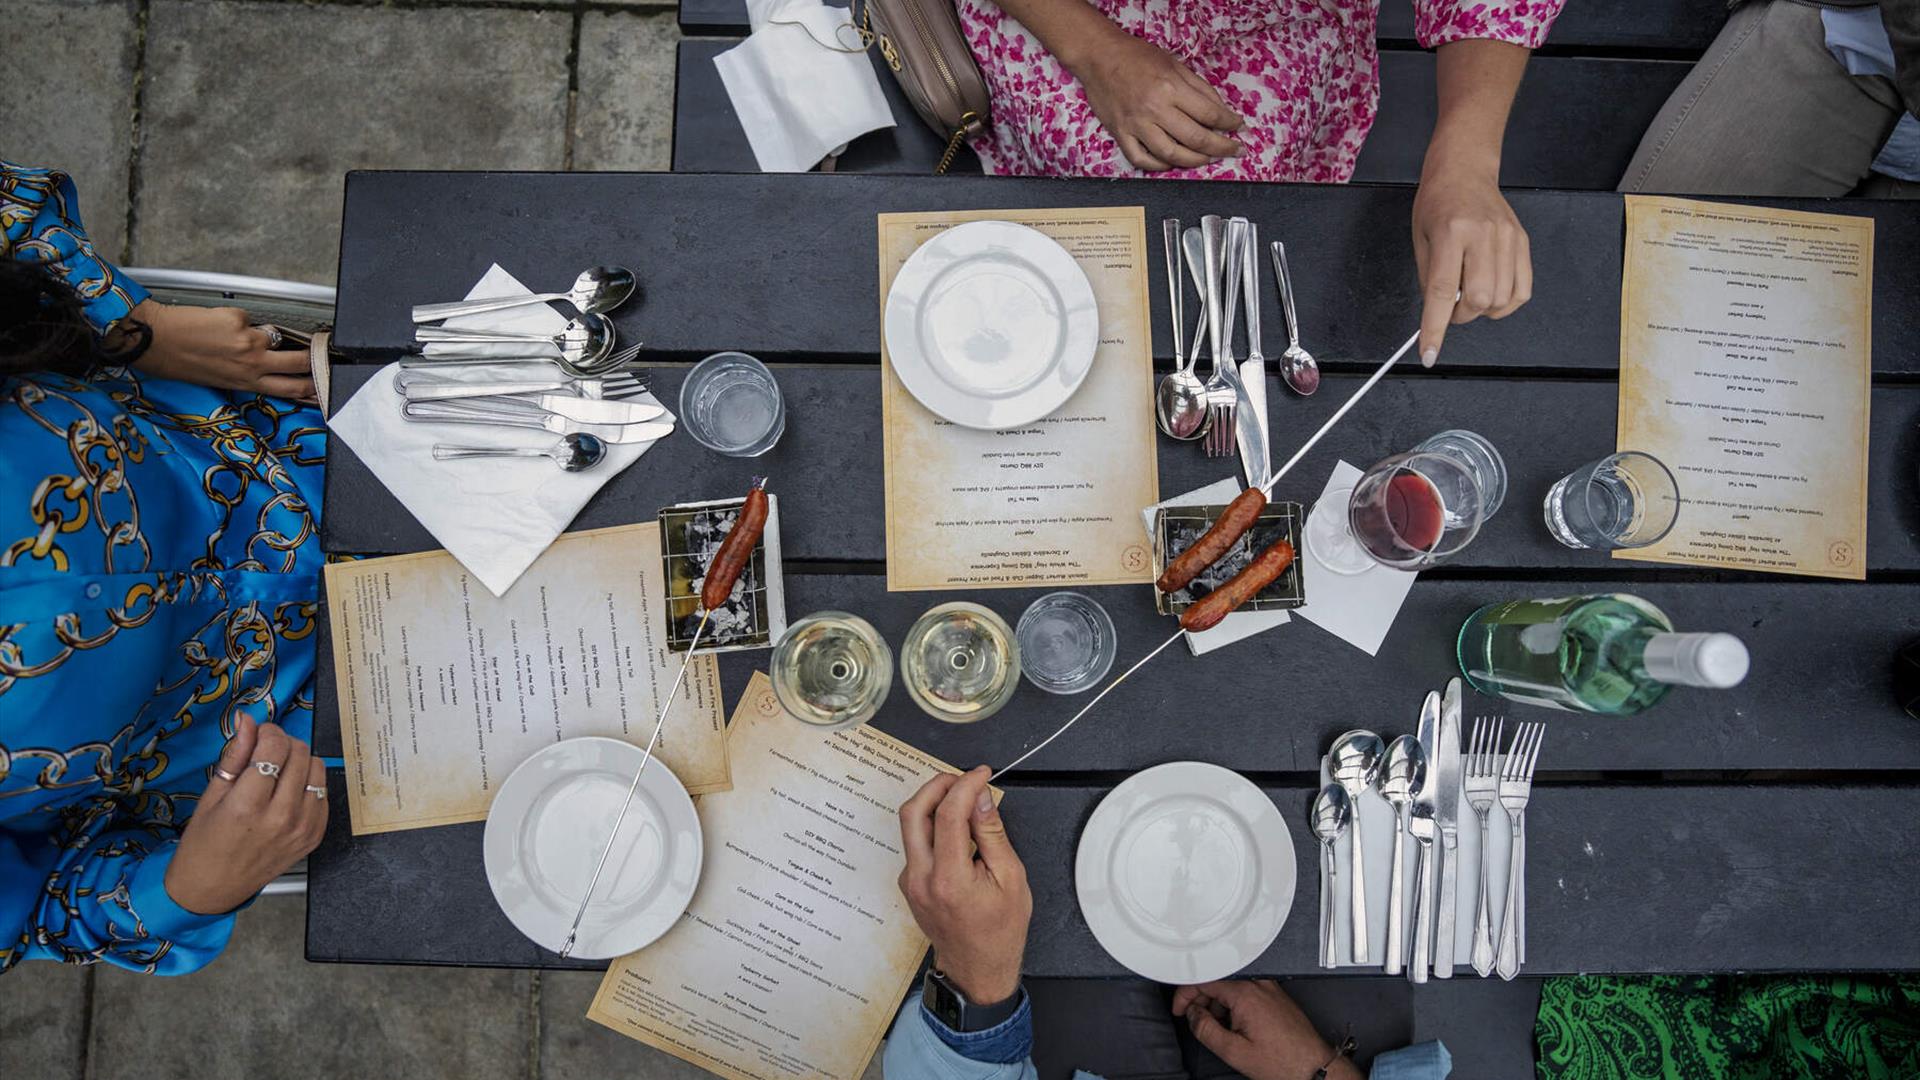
(1762, 828)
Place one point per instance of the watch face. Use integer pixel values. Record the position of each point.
(941, 1000)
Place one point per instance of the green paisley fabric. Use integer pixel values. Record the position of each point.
(1595, 1027)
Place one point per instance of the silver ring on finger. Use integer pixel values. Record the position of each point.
(273, 335)
(318, 792)
(266, 768)
(225, 775)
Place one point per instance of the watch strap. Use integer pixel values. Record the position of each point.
(951, 1007)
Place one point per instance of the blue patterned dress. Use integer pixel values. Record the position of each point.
(159, 575)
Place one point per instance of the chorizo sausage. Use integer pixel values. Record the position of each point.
(1206, 612)
(731, 560)
(1239, 516)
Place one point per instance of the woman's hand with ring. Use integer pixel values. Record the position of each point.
(249, 830)
(216, 347)
(1162, 114)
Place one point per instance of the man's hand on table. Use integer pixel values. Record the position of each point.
(1256, 1028)
(974, 909)
(248, 831)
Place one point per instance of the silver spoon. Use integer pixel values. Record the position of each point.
(1355, 765)
(574, 453)
(1194, 243)
(586, 343)
(1297, 365)
(599, 290)
(1401, 774)
(1332, 810)
(1179, 404)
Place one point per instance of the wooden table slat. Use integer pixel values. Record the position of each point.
(829, 463)
(783, 266)
(1794, 878)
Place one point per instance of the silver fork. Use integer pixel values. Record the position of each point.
(1221, 395)
(1483, 787)
(1516, 784)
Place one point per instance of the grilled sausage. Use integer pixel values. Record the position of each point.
(1206, 612)
(731, 560)
(1239, 516)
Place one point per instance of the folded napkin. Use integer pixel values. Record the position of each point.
(496, 514)
(1241, 624)
(798, 99)
(1357, 608)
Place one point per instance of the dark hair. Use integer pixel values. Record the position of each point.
(44, 327)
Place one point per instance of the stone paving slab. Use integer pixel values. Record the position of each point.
(261, 1011)
(256, 110)
(66, 100)
(623, 116)
(43, 1020)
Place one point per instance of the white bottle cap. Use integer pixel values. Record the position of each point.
(1716, 661)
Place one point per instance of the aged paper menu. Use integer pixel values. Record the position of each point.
(797, 947)
(444, 687)
(1745, 366)
(1054, 502)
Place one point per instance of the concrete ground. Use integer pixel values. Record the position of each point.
(213, 135)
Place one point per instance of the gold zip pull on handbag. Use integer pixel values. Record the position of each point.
(922, 43)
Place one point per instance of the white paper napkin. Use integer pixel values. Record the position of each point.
(1241, 624)
(495, 514)
(1377, 827)
(797, 99)
(1358, 608)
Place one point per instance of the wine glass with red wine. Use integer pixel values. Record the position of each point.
(1409, 512)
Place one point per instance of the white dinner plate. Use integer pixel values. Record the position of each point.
(545, 831)
(991, 325)
(1185, 873)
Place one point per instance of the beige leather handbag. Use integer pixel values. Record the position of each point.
(922, 43)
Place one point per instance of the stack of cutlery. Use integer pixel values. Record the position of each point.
(536, 396)
(1467, 898)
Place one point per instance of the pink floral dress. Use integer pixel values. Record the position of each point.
(1304, 74)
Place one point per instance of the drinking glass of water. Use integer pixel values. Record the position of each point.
(1625, 500)
(832, 670)
(960, 662)
(730, 403)
(1066, 641)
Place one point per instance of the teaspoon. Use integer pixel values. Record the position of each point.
(1297, 366)
(1177, 400)
(1401, 774)
(1355, 765)
(1331, 813)
(574, 453)
(599, 290)
(586, 343)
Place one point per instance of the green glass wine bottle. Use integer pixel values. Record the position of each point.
(1612, 653)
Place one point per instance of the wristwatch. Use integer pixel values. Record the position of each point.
(951, 1007)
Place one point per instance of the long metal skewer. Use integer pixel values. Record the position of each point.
(646, 756)
(1266, 487)
(1178, 634)
(1338, 413)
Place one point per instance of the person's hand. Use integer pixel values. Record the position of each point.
(1471, 251)
(248, 831)
(1161, 113)
(216, 347)
(1256, 1028)
(975, 910)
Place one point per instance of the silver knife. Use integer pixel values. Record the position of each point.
(1447, 816)
(1251, 433)
(598, 411)
(1421, 828)
(459, 412)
